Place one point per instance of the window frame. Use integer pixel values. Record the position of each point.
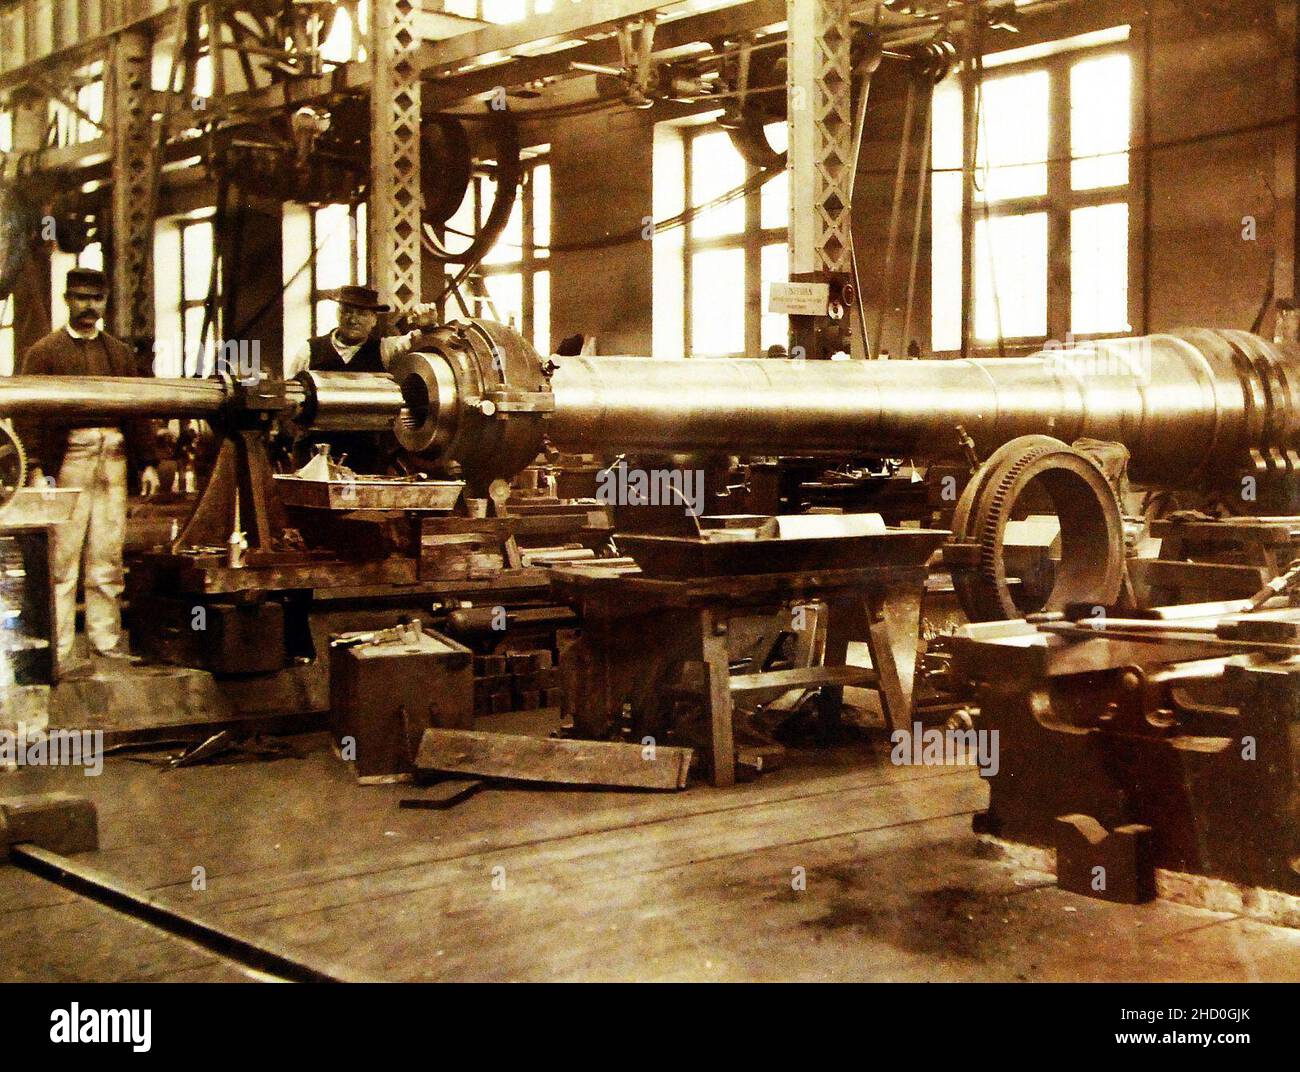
(1060, 199)
(357, 268)
(752, 239)
(530, 262)
(201, 366)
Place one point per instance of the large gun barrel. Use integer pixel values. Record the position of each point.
(1188, 406)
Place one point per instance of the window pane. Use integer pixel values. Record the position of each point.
(90, 99)
(504, 10)
(775, 265)
(542, 312)
(1100, 103)
(718, 302)
(1099, 269)
(327, 317)
(196, 248)
(542, 208)
(92, 257)
(362, 273)
(198, 361)
(774, 204)
(333, 249)
(945, 218)
(203, 76)
(296, 244)
(667, 277)
(167, 298)
(716, 168)
(1011, 277)
(507, 299)
(775, 196)
(338, 45)
(1013, 136)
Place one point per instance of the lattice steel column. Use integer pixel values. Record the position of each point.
(134, 142)
(393, 220)
(821, 132)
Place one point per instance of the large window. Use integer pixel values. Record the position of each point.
(711, 273)
(324, 249)
(196, 280)
(1051, 206)
(183, 276)
(338, 235)
(77, 115)
(513, 281)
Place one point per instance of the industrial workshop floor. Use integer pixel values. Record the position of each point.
(597, 885)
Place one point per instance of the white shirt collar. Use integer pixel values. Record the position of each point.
(346, 352)
(77, 335)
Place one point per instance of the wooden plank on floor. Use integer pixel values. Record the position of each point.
(807, 677)
(514, 757)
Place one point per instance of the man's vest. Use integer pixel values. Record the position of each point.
(324, 358)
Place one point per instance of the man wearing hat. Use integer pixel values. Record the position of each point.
(354, 346)
(92, 456)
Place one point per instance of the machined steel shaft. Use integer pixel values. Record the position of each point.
(1183, 404)
(92, 397)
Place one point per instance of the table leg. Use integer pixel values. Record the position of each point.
(840, 615)
(893, 627)
(713, 649)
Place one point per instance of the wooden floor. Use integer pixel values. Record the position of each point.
(536, 885)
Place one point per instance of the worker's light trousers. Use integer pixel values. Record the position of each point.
(93, 535)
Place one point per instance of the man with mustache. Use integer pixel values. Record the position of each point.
(92, 456)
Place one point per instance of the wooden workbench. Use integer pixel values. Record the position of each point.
(636, 629)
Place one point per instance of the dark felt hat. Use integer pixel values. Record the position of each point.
(362, 298)
(87, 279)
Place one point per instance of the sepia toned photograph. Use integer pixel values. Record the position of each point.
(626, 491)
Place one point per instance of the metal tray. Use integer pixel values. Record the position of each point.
(678, 557)
(433, 496)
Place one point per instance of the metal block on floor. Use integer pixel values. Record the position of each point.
(384, 696)
(1110, 865)
(59, 822)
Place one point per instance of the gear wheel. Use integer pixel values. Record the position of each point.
(1091, 569)
(13, 464)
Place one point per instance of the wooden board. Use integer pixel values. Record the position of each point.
(544, 759)
(807, 677)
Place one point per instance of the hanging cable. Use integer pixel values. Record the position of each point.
(895, 216)
(922, 188)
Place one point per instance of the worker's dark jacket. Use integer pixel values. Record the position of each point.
(362, 452)
(58, 354)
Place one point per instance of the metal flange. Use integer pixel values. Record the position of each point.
(476, 393)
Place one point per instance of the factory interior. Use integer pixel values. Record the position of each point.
(649, 490)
